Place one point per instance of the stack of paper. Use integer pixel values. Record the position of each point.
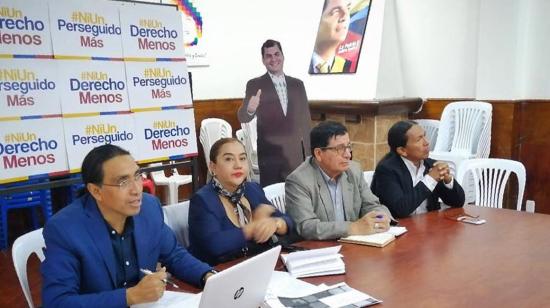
(314, 262)
(377, 239)
(339, 295)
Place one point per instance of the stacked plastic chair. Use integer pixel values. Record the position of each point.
(275, 193)
(31, 199)
(212, 130)
(368, 175)
(172, 183)
(251, 147)
(464, 133)
(431, 127)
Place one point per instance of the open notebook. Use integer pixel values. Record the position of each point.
(377, 239)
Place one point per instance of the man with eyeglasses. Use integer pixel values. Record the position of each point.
(327, 195)
(99, 247)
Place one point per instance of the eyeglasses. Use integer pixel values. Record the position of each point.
(126, 183)
(340, 149)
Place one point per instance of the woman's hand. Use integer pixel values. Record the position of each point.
(265, 228)
(261, 230)
(263, 211)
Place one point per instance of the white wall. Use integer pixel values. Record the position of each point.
(485, 49)
(390, 76)
(536, 56)
(500, 44)
(236, 30)
(438, 41)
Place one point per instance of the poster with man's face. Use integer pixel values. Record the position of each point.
(338, 43)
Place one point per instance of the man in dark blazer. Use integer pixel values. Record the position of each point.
(407, 181)
(283, 120)
(97, 246)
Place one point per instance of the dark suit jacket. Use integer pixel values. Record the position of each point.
(213, 237)
(80, 265)
(282, 140)
(392, 184)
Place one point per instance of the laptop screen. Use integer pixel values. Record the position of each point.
(242, 285)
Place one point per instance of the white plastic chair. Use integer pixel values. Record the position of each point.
(368, 176)
(240, 135)
(490, 176)
(212, 130)
(275, 193)
(176, 216)
(252, 175)
(23, 247)
(431, 127)
(172, 183)
(251, 146)
(464, 133)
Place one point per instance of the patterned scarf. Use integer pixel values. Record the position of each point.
(243, 213)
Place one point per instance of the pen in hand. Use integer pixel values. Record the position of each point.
(167, 280)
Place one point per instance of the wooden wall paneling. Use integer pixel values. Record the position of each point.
(503, 130)
(431, 109)
(533, 146)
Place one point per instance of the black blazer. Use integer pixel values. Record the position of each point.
(392, 184)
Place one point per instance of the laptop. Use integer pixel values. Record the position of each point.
(241, 286)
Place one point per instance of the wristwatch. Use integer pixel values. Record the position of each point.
(203, 279)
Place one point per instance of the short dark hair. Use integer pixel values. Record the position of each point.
(215, 149)
(271, 43)
(92, 165)
(397, 135)
(323, 132)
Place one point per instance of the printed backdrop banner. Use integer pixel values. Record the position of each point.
(165, 135)
(84, 134)
(67, 70)
(31, 147)
(192, 18)
(85, 29)
(29, 87)
(92, 86)
(24, 29)
(158, 84)
(151, 31)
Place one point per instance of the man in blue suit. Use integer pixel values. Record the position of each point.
(96, 246)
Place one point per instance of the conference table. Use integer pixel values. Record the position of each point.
(441, 262)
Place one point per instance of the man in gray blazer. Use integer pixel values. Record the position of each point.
(327, 195)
